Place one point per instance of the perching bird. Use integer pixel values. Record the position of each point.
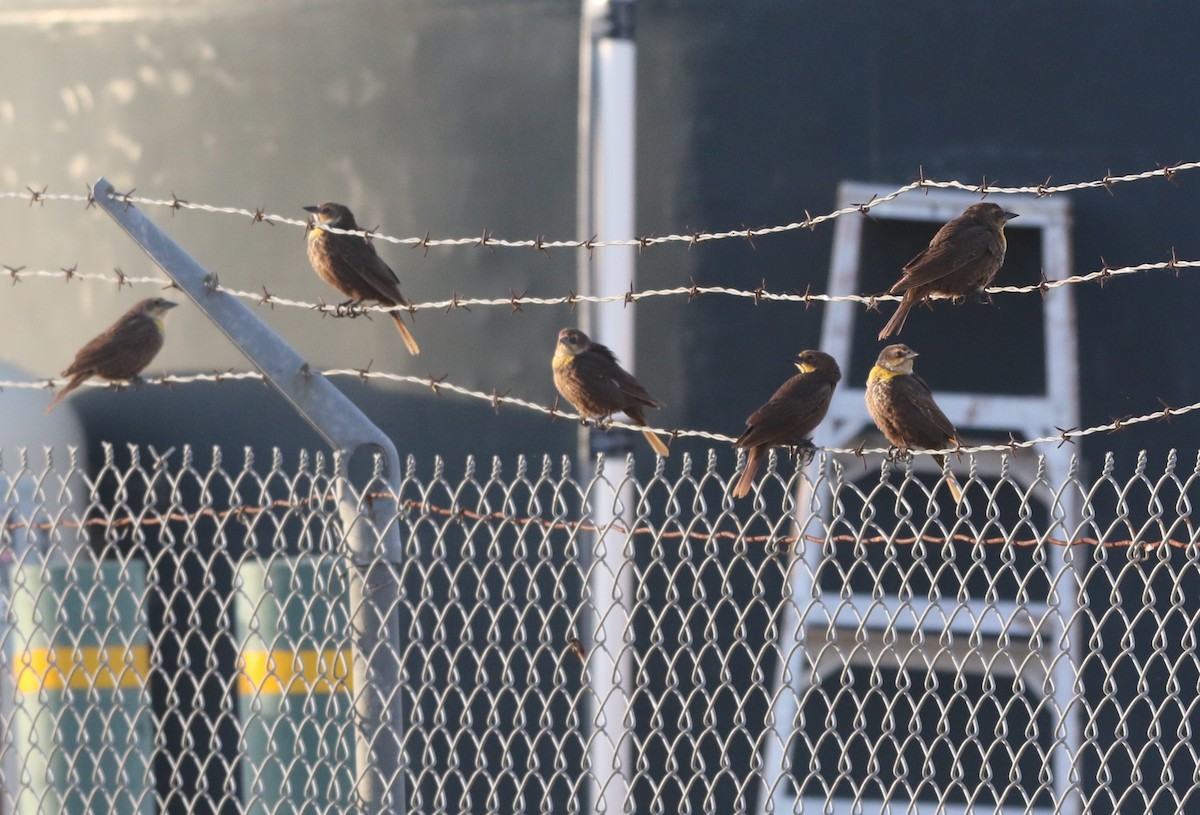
(123, 350)
(352, 266)
(588, 376)
(962, 259)
(791, 415)
(903, 408)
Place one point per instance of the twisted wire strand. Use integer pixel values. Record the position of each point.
(496, 399)
(516, 301)
(540, 243)
(782, 542)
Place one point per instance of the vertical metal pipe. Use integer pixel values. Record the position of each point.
(377, 668)
(606, 200)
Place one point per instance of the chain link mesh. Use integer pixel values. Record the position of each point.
(848, 640)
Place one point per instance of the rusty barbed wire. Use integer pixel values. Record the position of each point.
(497, 398)
(486, 240)
(516, 301)
(782, 542)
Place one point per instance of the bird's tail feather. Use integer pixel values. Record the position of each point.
(951, 481)
(895, 324)
(409, 341)
(746, 482)
(75, 382)
(656, 443)
(955, 489)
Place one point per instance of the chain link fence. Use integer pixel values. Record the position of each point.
(847, 640)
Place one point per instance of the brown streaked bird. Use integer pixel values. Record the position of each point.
(588, 376)
(962, 259)
(123, 350)
(351, 265)
(791, 415)
(904, 411)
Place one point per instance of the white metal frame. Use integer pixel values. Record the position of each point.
(606, 196)
(866, 617)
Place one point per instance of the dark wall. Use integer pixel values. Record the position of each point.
(785, 100)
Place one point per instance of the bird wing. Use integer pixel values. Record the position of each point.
(957, 244)
(374, 272)
(931, 411)
(121, 351)
(791, 414)
(634, 389)
(599, 365)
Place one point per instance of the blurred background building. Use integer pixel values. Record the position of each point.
(455, 117)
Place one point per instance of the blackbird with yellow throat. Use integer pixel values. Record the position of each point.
(904, 411)
(588, 376)
(791, 415)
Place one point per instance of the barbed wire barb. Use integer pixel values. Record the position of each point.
(516, 301)
(541, 244)
(495, 398)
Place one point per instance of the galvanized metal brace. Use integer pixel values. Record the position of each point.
(372, 540)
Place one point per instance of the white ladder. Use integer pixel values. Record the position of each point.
(812, 640)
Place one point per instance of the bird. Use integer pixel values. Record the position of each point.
(123, 350)
(588, 376)
(791, 415)
(962, 259)
(904, 411)
(351, 265)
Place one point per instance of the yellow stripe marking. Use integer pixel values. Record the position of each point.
(304, 672)
(82, 668)
(879, 374)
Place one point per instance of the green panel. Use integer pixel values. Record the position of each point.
(82, 722)
(297, 751)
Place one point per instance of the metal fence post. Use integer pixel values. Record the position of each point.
(605, 199)
(372, 540)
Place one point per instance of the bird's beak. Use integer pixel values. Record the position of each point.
(313, 210)
(1008, 216)
(911, 355)
(169, 304)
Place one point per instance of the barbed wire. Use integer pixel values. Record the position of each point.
(496, 399)
(517, 301)
(783, 543)
(486, 240)
(17, 274)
